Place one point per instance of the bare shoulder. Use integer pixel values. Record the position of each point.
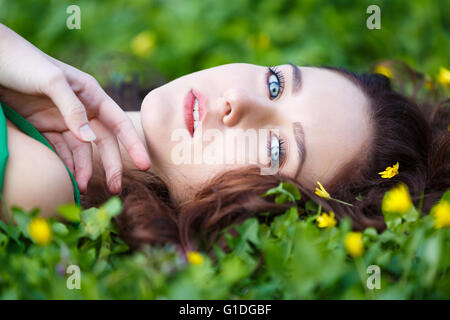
(35, 176)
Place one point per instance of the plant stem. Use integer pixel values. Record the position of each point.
(343, 202)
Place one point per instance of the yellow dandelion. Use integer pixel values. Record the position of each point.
(441, 212)
(143, 43)
(443, 77)
(390, 172)
(354, 243)
(322, 192)
(40, 231)
(385, 71)
(194, 258)
(326, 220)
(397, 200)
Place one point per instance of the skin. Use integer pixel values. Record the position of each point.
(332, 110)
(69, 108)
(73, 113)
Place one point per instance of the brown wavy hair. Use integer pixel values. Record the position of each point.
(408, 130)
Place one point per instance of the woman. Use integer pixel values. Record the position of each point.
(302, 124)
(324, 124)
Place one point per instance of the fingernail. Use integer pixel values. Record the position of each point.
(86, 133)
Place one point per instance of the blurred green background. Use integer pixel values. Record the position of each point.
(155, 41)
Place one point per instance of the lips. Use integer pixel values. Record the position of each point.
(189, 103)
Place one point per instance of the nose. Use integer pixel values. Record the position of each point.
(240, 107)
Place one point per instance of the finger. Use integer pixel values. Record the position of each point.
(71, 108)
(123, 128)
(82, 157)
(60, 145)
(109, 151)
(116, 120)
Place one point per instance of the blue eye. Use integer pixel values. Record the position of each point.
(275, 82)
(275, 149)
(274, 86)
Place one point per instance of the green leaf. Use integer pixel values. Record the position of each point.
(446, 195)
(412, 215)
(234, 269)
(94, 221)
(11, 230)
(284, 225)
(3, 240)
(291, 189)
(370, 233)
(311, 206)
(22, 218)
(248, 231)
(113, 206)
(71, 212)
(285, 192)
(432, 255)
(60, 229)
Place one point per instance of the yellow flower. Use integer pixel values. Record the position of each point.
(354, 243)
(385, 71)
(322, 192)
(397, 200)
(390, 172)
(194, 257)
(326, 220)
(441, 212)
(40, 231)
(143, 43)
(444, 77)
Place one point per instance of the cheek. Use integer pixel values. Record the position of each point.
(156, 124)
(234, 148)
(150, 117)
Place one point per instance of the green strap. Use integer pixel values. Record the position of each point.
(28, 129)
(4, 154)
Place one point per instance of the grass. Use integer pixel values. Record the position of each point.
(290, 258)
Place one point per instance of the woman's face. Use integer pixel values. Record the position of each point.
(303, 122)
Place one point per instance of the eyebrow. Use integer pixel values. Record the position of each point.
(299, 135)
(296, 78)
(297, 127)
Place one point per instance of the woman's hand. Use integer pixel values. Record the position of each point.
(69, 108)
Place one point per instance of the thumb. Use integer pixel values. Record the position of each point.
(72, 110)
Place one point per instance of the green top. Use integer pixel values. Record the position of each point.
(28, 129)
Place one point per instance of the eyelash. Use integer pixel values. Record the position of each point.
(280, 77)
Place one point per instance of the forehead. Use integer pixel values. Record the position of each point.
(331, 92)
(334, 113)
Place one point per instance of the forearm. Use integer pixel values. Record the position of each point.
(23, 67)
